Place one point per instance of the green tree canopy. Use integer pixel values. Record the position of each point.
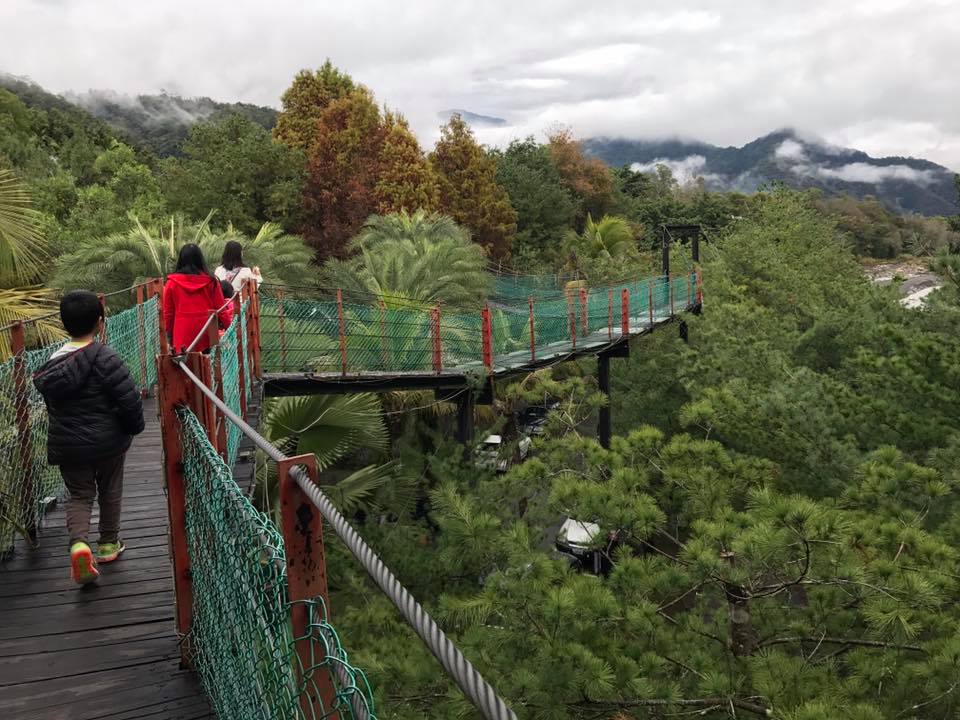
(545, 208)
(234, 165)
(305, 100)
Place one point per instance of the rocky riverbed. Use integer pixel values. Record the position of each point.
(916, 280)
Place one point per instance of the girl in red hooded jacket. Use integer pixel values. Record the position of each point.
(189, 296)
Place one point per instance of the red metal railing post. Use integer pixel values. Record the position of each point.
(257, 369)
(216, 362)
(22, 405)
(281, 317)
(610, 314)
(670, 284)
(103, 308)
(343, 332)
(435, 337)
(486, 331)
(241, 358)
(306, 579)
(533, 334)
(624, 312)
(155, 289)
(384, 347)
(585, 315)
(175, 390)
(650, 300)
(142, 340)
(689, 291)
(699, 287)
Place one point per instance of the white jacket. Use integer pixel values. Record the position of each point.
(237, 276)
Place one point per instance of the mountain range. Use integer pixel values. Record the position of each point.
(159, 123)
(905, 185)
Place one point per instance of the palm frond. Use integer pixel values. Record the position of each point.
(22, 246)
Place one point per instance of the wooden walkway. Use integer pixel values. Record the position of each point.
(108, 651)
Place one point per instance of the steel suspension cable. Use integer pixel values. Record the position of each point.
(467, 677)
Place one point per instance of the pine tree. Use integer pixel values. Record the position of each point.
(305, 100)
(469, 191)
(406, 182)
(342, 171)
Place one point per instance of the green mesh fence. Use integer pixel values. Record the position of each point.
(242, 639)
(26, 480)
(532, 319)
(225, 356)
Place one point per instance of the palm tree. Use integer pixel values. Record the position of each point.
(22, 260)
(416, 260)
(609, 238)
(331, 427)
(604, 250)
(124, 259)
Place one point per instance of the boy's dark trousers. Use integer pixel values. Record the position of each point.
(103, 480)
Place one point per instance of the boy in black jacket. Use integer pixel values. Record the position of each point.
(95, 411)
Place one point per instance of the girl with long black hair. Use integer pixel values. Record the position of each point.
(189, 296)
(232, 268)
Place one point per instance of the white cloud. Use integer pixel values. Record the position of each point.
(685, 171)
(791, 150)
(864, 172)
(687, 68)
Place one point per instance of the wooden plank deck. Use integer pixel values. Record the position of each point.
(109, 651)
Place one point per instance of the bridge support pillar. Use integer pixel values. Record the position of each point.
(604, 424)
(604, 429)
(465, 407)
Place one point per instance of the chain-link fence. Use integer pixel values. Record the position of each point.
(27, 482)
(336, 333)
(242, 640)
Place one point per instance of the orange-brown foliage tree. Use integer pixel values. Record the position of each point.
(469, 192)
(342, 171)
(406, 180)
(589, 179)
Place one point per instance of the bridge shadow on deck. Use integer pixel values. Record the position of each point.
(106, 652)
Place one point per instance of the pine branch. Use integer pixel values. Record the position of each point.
(843, 641)
(693, 702)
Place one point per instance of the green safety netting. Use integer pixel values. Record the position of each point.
(242, 640)
(225, 357)
(26, 480)
(304, 333)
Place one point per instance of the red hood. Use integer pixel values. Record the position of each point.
(190, 283)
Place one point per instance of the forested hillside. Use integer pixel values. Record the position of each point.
(777, 518)
(905, 185)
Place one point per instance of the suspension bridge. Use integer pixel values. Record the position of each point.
(215, 611)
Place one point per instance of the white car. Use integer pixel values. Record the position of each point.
(490, 454)
(577, 540)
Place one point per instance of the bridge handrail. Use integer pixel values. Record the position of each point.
(468, 678)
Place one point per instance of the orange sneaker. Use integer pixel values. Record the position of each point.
(83, 566)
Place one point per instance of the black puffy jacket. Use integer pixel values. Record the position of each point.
(93, 403)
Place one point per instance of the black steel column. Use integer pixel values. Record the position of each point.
(695, 247)
(465, 406)
(603, 379)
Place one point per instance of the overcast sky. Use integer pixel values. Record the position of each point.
(878, 75)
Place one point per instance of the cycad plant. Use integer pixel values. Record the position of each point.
(605, 250)
(414, 260)
(124, 259)
(329, 427)
(22, 260)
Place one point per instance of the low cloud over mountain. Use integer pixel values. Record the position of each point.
(903, 184)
